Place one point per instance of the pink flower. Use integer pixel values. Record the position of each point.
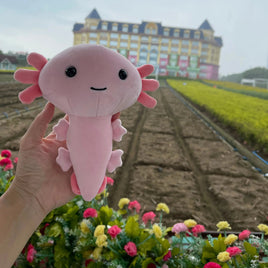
(16, 160)
(164, 266)
(8, 167)
(244, 235)
(114, 231)
(90, 213)
(5, 162)
(198, 229)
(131, 249)
(179, 227)
(6, 153)
(167, 256)
(212, 265)
(149, 216)
(233, 251)
(110, 181)
(134, 205)
(31, 253)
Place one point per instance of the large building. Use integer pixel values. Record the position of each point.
(193, 53)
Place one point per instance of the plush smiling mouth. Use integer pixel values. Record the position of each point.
(98, 89)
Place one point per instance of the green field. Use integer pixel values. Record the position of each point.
(246, 114)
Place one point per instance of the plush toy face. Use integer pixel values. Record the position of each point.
(90, 80)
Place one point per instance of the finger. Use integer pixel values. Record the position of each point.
(39, 126)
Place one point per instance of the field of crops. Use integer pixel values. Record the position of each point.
(246, 114)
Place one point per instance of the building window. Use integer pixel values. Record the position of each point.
(103, 42)
(204, 53)
(93, 27)
(194, 51)
(183, 57)
(164, 48)
(185, 42)
(163, 56)
(184, 50)
(176, 33)
(133, 45)
(204, 46)
(144, 39)
(93, 42)
(133, 53)
(174, 49)
(92, 35)
(195, 44)
(196, 35)
(125, 28)
(104, 26)
(166, 32)
(115, 28)
(165, 41)
(175, 42)
(134, 37)
(124, 36)
(186, 34)
(135, 29)
(155, 40)
(154, 47)
(113, 43)
(123, 44)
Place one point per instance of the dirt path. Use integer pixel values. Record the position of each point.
(171, 156)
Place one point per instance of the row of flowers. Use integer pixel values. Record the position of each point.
(91, 234)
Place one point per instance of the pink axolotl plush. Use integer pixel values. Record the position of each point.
(91, 84)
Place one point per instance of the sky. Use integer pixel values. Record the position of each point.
(46, 26)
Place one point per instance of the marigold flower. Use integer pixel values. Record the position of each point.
(102, 241)
(230, 239)
(263, 228)
(90, 213)
(84, 228)
(97, 253)
(199, 228)
(6, 153)
(5, 161)
(157, 231)
(162, 207)
(114, 231)
(167, 256)
(131, 249)
(190, 223)
(212, 265)
(244, 235)
(149, 216)
(31, 253)
(222, 225)
(233, 251)
(123, 202)
(110, 181)
(134, 205)
(99, 230)
(179, 227)
(223, 256)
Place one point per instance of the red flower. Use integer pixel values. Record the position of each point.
(244, 235)
(151, 265)
(167, 256)
(42, 230)
(90, 213)
(8, 167)
(212, 265)
(149, 216)
(134, 205)
(131, 249)
(16, 160)
(114, 231)
(88, 261)
(5, 162)
(31, 252)
(198, 229)
(110, 181)
(233, 251)
(6, 153)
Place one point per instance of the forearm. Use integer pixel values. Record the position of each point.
(19, 218)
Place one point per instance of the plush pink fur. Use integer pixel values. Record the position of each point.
(93, 114)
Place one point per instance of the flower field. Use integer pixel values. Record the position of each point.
(91, 234)
(247, 115)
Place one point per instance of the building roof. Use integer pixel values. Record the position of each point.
(94, 15)
(11, 59)
(77, 27)
(205, 26)
(218, 40)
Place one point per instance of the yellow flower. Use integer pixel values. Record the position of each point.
(230, 239)
(157, 231)
(97, 253)
(263, 228)
(223, 256)
(162, 207)
(190, 223)
(222, 225)
(101, 241)
(123, 202)
(99, 230)
(84, 227)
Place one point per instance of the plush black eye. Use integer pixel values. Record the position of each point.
(122, 74)
(71, 71)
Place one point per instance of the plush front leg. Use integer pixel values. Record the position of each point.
(61, 129)
(118, 130)
(115, 160)
(63, 159)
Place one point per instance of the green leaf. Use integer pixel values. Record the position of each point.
(250, 250)
(105, 214)
(146, 262)
(218, 244)
(132, 228)
(55, 230)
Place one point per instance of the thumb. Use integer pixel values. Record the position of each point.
(38, 128)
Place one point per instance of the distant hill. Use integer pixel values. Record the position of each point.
(258, 72)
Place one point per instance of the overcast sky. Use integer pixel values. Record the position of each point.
(46, 26)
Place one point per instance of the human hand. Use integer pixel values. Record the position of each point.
(38, 178)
